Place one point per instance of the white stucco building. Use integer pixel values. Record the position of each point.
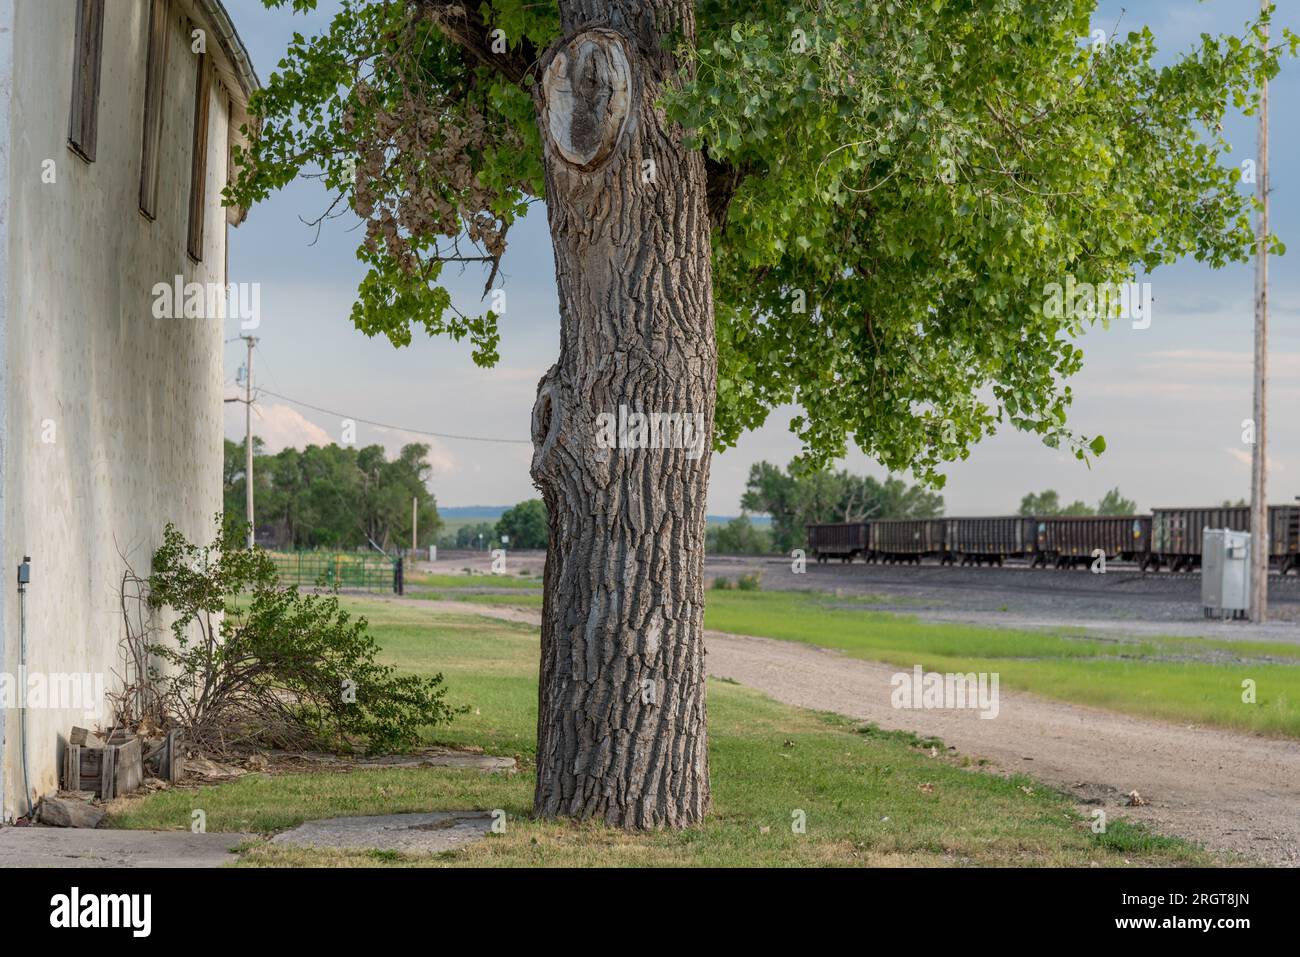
(116, 123)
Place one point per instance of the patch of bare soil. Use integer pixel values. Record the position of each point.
(201, 771)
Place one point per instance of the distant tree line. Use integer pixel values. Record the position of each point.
(524, 526)
(334, 496)
(1048, 502)
(738, 537)
(474, 535)
(795, 498)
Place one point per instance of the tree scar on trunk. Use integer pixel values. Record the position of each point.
(621, 697)
(587, 96)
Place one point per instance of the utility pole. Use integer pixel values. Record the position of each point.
(248, 437)
(415, 524)
(248, 440)
(1259, 453)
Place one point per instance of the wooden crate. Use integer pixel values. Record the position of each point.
(108, 771)
(166, 758)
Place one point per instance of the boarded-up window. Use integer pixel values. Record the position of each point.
(155, 70)
(199, 159)
(85, 78)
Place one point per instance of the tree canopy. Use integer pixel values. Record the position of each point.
(893, 186)
(1048, 502)
(797, 497)
(335, 496)
(475, 535)
(1114, 503)
(524, 525)
(738, 536)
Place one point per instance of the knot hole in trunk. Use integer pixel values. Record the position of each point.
(546, 423)
(588, 93)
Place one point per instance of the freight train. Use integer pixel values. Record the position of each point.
(1166, 538)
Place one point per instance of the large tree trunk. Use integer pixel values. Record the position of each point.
(621, 730)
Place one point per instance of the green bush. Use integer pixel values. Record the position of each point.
(737, 537)
(525, 525)
(722, 583)
(748, 582)
(252, 663)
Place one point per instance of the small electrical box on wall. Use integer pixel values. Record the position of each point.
(25, 570)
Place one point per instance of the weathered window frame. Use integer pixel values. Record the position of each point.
(87, 55)
(154, 98)
(199, 159)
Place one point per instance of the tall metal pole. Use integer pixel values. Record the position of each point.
(1259, 454)
(248, 440)
(415, 524)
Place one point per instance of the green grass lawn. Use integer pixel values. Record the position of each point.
(524, 599)
(512, 598)
(868, 797)
(1197, 680)
(1149, 676)
(434, 580)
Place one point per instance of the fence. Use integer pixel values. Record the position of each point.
(338, 570)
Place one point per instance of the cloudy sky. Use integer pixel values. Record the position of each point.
(1169, 399)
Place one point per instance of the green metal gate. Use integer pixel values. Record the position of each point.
(342, 570)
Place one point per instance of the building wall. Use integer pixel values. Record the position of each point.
(6, 89)
(133, 403)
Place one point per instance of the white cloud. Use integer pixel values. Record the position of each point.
(1241, 455)
(278, 426)
(440, 459)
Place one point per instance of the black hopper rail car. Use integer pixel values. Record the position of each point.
(842, 540)
(1065, 541)
(1176, 534)
(1167, 538)
(905, 540)
(985, 541)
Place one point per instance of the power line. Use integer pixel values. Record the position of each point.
(397, 428)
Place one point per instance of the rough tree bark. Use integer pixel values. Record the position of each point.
(621, 710)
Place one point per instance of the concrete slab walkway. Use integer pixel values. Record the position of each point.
(431, 833)
(80, 847)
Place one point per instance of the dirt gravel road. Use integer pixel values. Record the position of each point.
(1233, 792)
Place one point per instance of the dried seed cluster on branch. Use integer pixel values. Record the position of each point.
(420, 148)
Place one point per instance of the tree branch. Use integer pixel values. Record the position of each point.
(466, 28)
(463, 24)
(721, 182)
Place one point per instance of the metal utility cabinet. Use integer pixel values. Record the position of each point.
(1225, 573)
